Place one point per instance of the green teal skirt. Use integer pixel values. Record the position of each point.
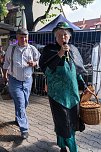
(65, 123)
(69, 142)
(64, 119)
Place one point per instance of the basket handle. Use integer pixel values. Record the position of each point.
(93, 94)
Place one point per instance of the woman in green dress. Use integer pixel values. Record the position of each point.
(62, 81)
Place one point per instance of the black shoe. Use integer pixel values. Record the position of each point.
(16, 123)
(63, 150)
(24, 135)
(81, 125)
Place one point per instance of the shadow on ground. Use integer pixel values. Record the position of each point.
(2, 149)
(9, 135)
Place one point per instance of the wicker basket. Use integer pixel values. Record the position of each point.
(90, 111)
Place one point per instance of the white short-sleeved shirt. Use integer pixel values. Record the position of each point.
(21, 70)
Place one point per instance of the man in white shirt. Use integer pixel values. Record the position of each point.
(20, 59)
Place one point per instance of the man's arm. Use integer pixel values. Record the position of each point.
(36, 56)
(6, 64)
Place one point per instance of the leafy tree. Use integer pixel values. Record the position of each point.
(28, 4)
(3, 9)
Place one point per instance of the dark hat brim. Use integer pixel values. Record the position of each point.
(69, 29)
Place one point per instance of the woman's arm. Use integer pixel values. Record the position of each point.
(49, 58)
(81, 83)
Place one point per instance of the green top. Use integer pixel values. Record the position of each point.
(62, 85)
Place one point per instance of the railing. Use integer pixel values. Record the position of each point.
(83, 40)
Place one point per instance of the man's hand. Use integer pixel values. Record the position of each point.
(5, 75)
(32, 63)
(5, 80)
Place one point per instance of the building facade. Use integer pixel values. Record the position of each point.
(89, 24)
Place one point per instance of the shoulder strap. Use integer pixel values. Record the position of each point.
(31, 47)
(13, 48)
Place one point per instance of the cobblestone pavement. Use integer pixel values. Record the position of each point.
(41, 132)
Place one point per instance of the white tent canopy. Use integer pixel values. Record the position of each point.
(96, 63)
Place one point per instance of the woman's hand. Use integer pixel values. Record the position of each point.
(90, 89)
(64, 48)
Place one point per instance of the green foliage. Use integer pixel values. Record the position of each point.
(49, 3)
(49, 16)
(17, 2)
(71, 3)
(84, 2)
(3, 8)
(46, 2)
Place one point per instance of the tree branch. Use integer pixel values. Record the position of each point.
(43, 16)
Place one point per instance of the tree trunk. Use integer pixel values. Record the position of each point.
(43, 16)
(29, 14)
